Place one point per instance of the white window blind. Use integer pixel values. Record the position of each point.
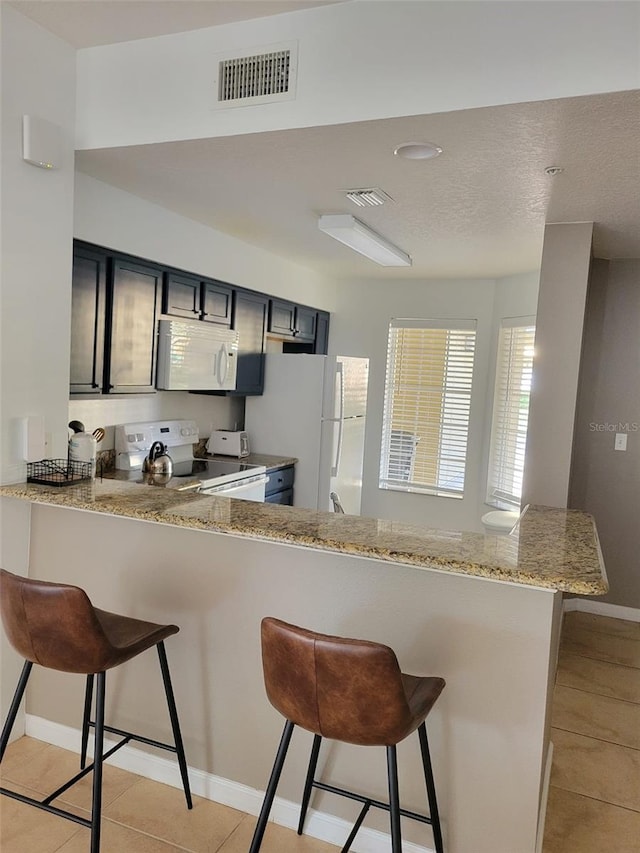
(510, 411)
(427, 404)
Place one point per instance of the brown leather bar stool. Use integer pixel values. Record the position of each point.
(351, 691)
(56, 626)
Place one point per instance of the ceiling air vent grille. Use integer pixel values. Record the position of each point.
(253, 77)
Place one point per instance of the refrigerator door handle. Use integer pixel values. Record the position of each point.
(340, 418)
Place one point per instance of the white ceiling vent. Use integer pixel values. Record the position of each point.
(251, 77)
(370, 197)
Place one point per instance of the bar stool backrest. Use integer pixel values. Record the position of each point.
(344, 689)
(53, 625)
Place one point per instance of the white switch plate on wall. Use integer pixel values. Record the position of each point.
(621, 441)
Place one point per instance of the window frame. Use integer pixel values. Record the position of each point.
(418, 417)
(507, 363)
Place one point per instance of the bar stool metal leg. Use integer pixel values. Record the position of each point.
(86, 720)
(394, 800)
(308, 785)
(15, 704)
(96, 802)
(431, 788)
(175, 725)
(285, 740)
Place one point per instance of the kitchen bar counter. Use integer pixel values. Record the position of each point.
(549, 548)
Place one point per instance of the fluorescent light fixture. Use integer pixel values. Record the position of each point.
(359, 237)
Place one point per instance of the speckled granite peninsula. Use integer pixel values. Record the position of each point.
(549, 548)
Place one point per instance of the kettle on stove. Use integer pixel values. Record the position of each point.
(158, 461)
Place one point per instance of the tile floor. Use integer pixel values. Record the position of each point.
(594, 801)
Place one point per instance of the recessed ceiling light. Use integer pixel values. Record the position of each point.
(417, 150)
(553, 170)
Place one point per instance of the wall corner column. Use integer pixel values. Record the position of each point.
(564, 277)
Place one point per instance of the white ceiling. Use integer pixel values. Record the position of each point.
(87, 23)
(477, 210)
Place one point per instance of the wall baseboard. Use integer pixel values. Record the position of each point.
(602, 608)
(320, 825)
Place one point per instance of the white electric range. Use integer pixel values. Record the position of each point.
(230, 478)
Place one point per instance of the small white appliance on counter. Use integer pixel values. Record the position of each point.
(196, 356)
(229, 442)
(313, 407)
(221, 477)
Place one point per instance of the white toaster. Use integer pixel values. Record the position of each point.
(229, 442)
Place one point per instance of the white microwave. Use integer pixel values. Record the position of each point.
(196, 356)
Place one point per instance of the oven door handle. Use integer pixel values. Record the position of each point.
(234, 484)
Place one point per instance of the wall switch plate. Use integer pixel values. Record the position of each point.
(621, 441)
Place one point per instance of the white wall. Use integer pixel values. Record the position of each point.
(37, 209)
(564, 276)
(437, 57)
(116, 219)
(35, 264)
(111, 217)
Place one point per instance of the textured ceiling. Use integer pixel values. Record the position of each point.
(477, 210)
(86, 23)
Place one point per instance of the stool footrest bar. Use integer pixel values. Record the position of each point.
(83, 772)
(140, 738)
(45, 807)
(378, 804)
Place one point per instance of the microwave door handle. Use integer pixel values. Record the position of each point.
(222, 377)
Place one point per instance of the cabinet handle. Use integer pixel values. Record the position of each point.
(94, 385)
(205, 313)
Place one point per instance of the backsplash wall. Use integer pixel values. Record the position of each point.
(208, 412)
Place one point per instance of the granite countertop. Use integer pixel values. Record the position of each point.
(551, 548)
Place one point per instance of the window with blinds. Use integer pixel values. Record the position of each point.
(427, 405)
(510, 411)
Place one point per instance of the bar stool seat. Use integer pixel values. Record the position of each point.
(351, 691)
(57, 627)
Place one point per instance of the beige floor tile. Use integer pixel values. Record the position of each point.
(591, 644)
(161, 811)
(576, 619)
(596, 676)
(118, 839)
(596, 716)
(577, 824)
(277, 839)
(26, 829)
(46, 769)
(18, 754)
(604, 771)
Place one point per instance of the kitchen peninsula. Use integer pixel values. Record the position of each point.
(483, 612)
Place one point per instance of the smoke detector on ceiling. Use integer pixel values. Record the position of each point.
(256, 75)
(371, 197)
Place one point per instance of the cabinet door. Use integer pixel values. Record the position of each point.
(279, 480)
(135, 291)
(305, 324)
(88, 296)
(216, 302)
(250, 320)
(181, 296)
(282, 318)
(321, 343)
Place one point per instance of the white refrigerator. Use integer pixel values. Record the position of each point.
(313, 407)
